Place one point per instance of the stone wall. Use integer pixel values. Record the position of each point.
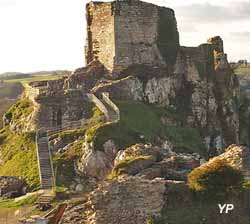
(100, 33)
(56, 111)
(136, 28)
(125, 33)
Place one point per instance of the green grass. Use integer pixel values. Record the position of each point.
(242, 70)
(185, 139)
(64, 164)
(11, 203)
(21, 109)
(33, 78)
(19, 155)
(137, 120)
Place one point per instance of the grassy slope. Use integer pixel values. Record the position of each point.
(19, 156)
(18, 152)
(138, 119)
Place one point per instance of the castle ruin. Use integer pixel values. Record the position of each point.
(124, 33)
(133, 53)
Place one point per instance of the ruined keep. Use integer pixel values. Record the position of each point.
(133, 53)
(124, 33)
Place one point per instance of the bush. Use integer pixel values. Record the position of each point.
(20, 110)
(216, 178)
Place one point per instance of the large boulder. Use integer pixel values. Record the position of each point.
(236, 156)
(12, 187)
(95, 163)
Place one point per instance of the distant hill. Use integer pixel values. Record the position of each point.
(19, 75)
(10, 73)
(12, 77)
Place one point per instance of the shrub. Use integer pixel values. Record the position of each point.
(19, 110)
(217, 178)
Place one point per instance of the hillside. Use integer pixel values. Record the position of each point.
(9, 94)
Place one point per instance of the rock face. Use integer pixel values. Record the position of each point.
(152, 162)
(127, 201)
(94, 163)
(204, 92)
(12, 187)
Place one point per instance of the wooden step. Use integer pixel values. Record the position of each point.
(46, 170)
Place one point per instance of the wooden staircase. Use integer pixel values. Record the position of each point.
(46, 171)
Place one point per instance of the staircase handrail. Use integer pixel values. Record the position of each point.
(106, 98)
(92, 98)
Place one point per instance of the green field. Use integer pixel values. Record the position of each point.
(34, 78)
(242, 70)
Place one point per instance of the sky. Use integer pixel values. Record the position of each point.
(40, 35)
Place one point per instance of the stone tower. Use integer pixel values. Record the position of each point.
(123, 33)
(220, 58)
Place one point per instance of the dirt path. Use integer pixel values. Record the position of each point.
(12, 215)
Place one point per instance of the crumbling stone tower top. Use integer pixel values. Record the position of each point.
(220, 58)
(123, 33)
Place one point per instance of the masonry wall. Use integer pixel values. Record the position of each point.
(100, 42)
(124, 33)
(55, 111)
(136, 30)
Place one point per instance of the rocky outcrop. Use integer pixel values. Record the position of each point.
(12, 187)
(194, 86)
(94, 163)
(152, 162)
(236, 156)
(142, 160)
(20, 117)
(128, 201)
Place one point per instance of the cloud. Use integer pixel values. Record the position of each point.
(211, 13)
(7, 2)
(187, 27)
(240, 36)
